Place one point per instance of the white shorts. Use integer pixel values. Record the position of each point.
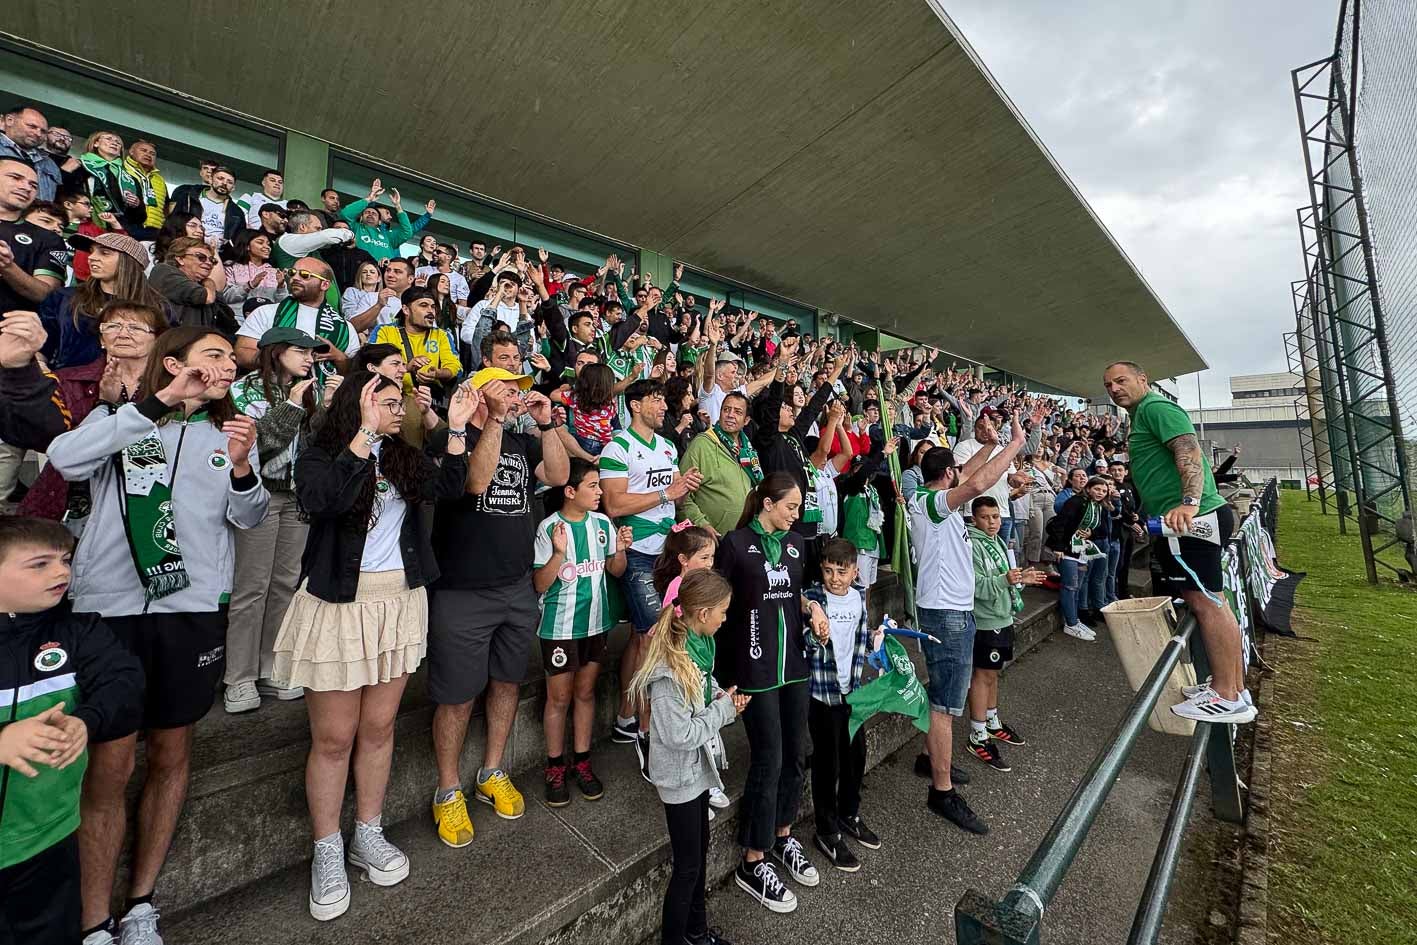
(866, 564)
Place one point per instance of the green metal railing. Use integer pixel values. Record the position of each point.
(1017, 919)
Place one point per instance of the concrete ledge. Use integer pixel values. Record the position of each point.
(239, 864)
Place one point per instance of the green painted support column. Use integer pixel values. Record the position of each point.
(659, 266)
(307, 167)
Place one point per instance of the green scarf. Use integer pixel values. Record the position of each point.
(811, 504)
(1091, 515)
(329, 325)
(743, 449)
(100, 168)
(145, 501)
(772, 541)
(993, 548)
(703, 650)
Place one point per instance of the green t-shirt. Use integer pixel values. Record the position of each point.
(1155, 422)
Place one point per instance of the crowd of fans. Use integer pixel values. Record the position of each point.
(300, 464)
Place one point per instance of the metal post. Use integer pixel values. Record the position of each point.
(1146, 927)
(1225, 800)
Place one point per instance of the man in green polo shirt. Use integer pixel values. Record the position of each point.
(1175, 482)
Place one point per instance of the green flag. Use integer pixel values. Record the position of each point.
(896, 690)
(899, 551)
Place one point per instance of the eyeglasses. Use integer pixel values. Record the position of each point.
(132, 328)
(395, 407)
(200, 257)
(306, 274)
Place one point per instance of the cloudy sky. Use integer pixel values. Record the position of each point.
(1176, 121)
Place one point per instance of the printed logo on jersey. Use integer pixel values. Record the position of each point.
(508, 494)
(24, 239)
(791, 551)
(50, 657)
(755, 640)
(778, 576)
(219, 460)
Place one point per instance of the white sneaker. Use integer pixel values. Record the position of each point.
(101, 937)
(712, 815)
(1190, 692)
(1208, 706)
(267, 688)
(139, 926)
(383, 863)
(718, 799)
(329, 884)
(242, 697)
(1081, 631)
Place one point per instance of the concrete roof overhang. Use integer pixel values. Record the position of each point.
(857, 158)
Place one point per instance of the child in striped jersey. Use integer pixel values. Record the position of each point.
(574, 549)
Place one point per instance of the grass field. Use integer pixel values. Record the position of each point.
(1343, 851)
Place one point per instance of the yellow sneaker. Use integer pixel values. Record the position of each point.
(504, 797)
(450, 817)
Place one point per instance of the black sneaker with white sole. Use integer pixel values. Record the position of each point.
(834, 848)
(987, 752)
(642, 750)
(951, 806)
(856, 829)
(625, 734)
(788, 851)
(760, 881)
(922, 767)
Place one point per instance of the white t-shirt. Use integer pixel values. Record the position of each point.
(253, 202)
(457, 285)
(355, 302)
(711, 400)
(381, 545)
(940, 540)
(844, 615)
(260, 320)
(999, 491)
(214, 217)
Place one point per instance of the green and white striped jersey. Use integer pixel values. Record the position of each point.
(649, 465)
(577, 603)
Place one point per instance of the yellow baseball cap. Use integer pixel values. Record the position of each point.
(481, 378)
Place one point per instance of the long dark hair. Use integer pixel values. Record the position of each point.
(447, 308)
(593, 387)
(176, 343)
(241, 246)
(401, 464)
(687, 542)
(130, 284)
(268, 368)
(174, 227)
(774, 486)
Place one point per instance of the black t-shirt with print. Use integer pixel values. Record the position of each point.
(486, 540)
(38, 252)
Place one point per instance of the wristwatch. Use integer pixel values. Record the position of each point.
(663, 497)
(1190, 500)
(546, 427)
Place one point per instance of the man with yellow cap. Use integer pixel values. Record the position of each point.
(484, 611)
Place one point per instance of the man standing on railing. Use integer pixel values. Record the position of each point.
(1174, 479)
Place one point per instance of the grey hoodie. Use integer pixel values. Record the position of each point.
(680, 763)
(204, 502)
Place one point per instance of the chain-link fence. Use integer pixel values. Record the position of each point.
(1358, 120)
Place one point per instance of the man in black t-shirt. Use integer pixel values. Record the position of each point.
(31, 258)
(484, 610)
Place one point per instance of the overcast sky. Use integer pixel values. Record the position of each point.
(1176, 121)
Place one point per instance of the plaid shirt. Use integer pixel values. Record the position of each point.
(821, 657)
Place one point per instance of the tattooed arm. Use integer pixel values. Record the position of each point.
(1186, 450)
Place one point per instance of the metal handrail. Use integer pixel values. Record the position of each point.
(1017, 918)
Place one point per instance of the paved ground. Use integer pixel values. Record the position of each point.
(1065, 697)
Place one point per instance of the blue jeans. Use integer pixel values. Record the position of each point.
(638, 582)
(951, 661)
(1114, 564)
(1081, 592)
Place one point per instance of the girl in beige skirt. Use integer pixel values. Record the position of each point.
(358, 626)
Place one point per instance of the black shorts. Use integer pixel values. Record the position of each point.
(183, 657)
(568, 656)
(993, 648)
(39, 897)
(478, 635)
(1202, 557)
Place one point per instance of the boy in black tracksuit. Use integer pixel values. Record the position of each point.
(64, 680)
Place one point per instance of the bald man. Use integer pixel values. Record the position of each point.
(306, 309)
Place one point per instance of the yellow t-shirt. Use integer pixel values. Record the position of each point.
(436, 344)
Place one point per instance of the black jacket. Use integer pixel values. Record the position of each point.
(327, 488)
(775, 453)
(757, 651)
(1061, 526)
(31, 411)
(188, 199)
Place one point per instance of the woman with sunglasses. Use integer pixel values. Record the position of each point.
(357, 627)
(192, 278)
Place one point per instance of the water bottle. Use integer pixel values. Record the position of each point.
(1204, 527)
